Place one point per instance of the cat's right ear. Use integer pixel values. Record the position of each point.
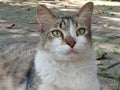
(45, 16)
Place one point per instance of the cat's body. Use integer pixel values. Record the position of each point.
(16, 61)
(73, 75)
(65, 58)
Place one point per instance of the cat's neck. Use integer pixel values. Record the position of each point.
(44, 56)
(45, 60)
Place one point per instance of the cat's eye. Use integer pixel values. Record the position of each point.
(57, 33)
(80, 31)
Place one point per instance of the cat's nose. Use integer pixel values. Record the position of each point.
(70, 41)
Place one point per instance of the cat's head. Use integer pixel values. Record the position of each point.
(65, 37)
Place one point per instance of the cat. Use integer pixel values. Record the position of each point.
(63, 60)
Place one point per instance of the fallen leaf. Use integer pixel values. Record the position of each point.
(66, 6)
(105, 25)
(112, 14)
(9, 26)
(99, 62)
(33, 22)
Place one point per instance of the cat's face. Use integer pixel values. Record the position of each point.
(66, 38)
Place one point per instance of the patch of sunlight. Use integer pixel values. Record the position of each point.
(47, 4)
(114, 28)
(108, 3)
(115, 13)
(33, 34)
(68, 10)
(111, 18)
(16, 36)
(32, 4)
(108, 47)
(97, 37)
(2, 21)
(17, 31)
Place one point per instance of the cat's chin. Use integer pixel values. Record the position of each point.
(72, 55)
(68, 56)
(72, 52)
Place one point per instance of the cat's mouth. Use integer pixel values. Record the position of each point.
(72, 52)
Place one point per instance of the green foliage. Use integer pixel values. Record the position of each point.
(103, 72)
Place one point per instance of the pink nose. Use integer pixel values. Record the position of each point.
(70, 41)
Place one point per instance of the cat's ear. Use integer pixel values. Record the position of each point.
(85, 13)
(44, 15)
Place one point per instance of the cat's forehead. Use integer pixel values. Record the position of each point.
(65, 22)
(66, 19)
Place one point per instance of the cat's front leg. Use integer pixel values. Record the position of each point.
(47, 87)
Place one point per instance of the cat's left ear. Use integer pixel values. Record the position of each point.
(85, 13)
(45, 16)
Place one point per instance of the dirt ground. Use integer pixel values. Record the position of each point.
(18, 24)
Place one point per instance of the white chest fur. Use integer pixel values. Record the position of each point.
(77, 75)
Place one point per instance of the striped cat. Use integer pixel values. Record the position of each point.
(64, 59)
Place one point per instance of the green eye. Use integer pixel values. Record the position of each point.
(57, 33)
(80, 31)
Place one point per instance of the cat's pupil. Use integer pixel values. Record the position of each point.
(80, 31)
